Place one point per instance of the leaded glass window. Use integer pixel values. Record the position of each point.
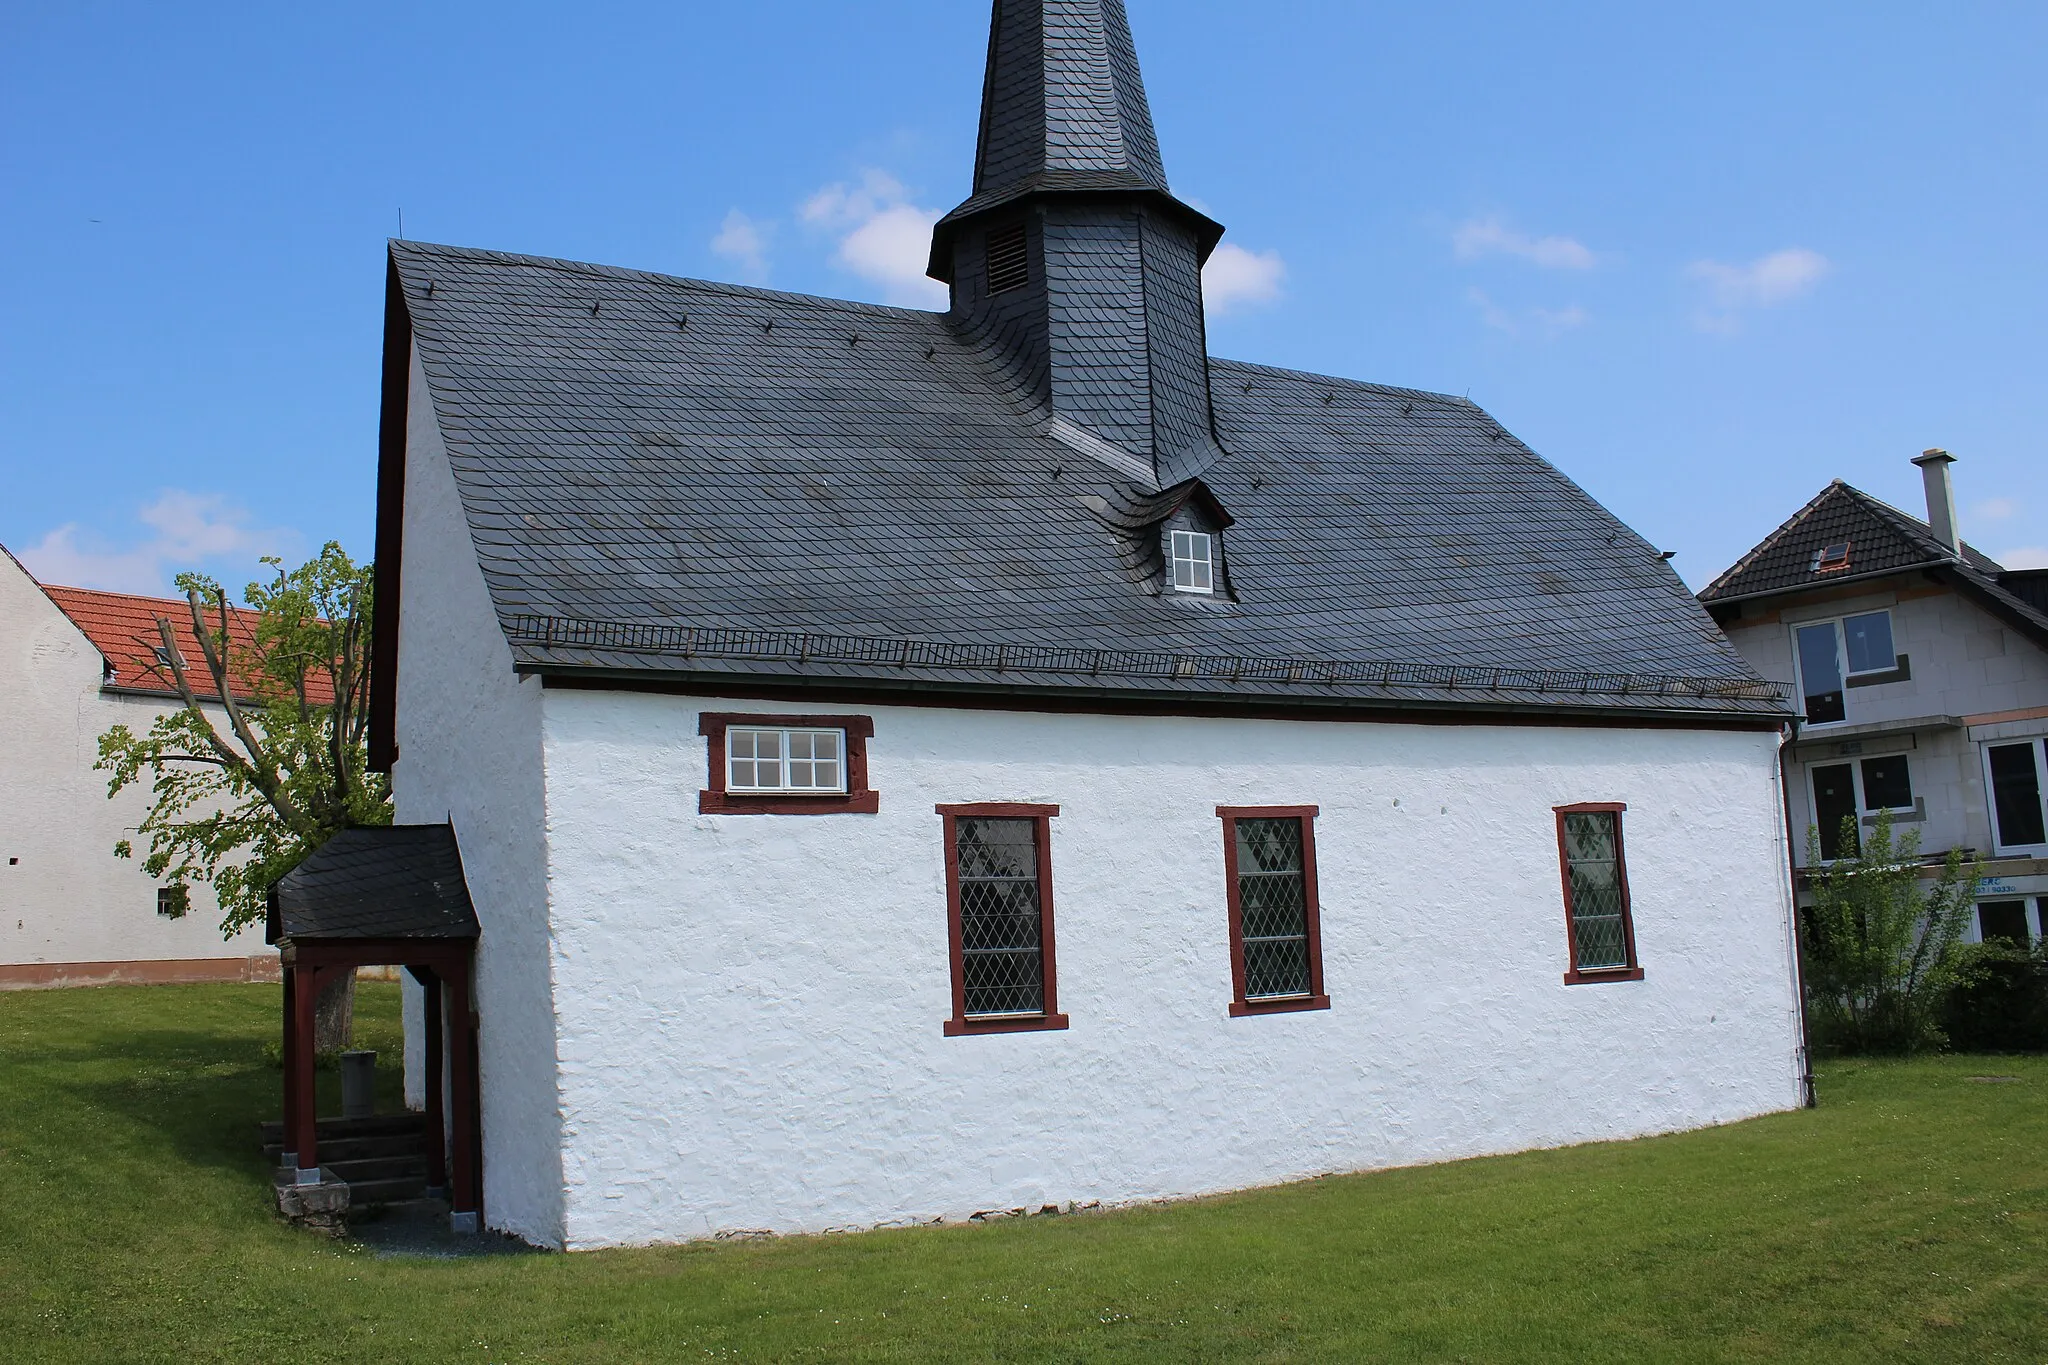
(1273, 908)
(1599, 899)
(1001, 916)
(763, 760)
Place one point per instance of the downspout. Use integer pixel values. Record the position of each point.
(1788, 736)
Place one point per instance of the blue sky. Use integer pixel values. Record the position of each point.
(1703, 258)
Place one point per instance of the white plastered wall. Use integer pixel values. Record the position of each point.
(64, 896)
(749, 1008)
(469, 753)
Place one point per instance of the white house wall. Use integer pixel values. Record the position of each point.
(469, 753)
(749, 1008)
(64, 897)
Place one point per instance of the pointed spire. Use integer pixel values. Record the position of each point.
(1063, 111)
(1063, 100)
(1072, 261)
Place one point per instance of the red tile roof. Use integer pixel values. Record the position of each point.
(123, 627)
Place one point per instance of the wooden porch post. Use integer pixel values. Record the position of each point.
(290, 1156)
(466, 1101)
(304, 1138)
(436, 1109)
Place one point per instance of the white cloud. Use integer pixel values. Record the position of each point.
(1235, 278)
(2025, 557)
(744, 241)
(187, 531)
(1490, 237)
(1543, 322)
(1995, 509)
(883, 237)
(1763, 283)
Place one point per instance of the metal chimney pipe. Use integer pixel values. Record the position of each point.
(1941, 497)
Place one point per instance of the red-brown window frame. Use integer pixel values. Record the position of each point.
(857, 799)
(1316, 999)
(961, 1024)
(1633, 971)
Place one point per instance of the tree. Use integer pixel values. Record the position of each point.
(1882, 957)
(238, 805)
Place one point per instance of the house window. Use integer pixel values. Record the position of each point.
(999, 918)
(2002, 920)
(1269, 877)
(1009, 262)
(786, 765)
(1843, 790)
(174, 902)
(808, 761)
(1596, 908)
(2016, 777)
(1851, 651)
(1194, 563)
(1831, 558)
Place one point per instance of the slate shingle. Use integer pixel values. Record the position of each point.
(395, 881)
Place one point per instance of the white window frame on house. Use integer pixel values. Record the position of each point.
(1194, 561)
(1847, 676)
(2033, 916)
(789, 765)
(1864, 810)
(2038, 744)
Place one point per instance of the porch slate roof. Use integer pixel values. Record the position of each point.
(392, 881)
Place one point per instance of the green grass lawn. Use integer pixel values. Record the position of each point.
(1905, 1219)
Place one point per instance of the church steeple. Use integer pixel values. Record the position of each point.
(1072, 257)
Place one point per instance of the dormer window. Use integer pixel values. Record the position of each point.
(1194, 561)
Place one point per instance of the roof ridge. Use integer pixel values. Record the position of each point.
(620, 272)
(1319, 378)
(1771, 539)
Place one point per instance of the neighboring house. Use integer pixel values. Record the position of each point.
(1922, 672)
(909, 765)
(73, 664)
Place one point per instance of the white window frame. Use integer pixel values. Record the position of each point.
(1840, 631)
(2037, 743)
(2033, 913)
(783, 760)
(1202, 566)
(1856, 784)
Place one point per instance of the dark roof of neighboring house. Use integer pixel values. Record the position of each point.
(393, 881)
(123, 628)
(1881, 541)
(673, 476)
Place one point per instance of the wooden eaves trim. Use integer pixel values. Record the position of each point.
(393, 414)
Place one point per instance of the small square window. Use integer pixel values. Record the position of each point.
(1831, 558)
(1194, 564)
(787, 765)
(174, 902)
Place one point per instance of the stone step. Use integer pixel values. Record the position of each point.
(328, 1129)
(376, 1169)
(391, 1191)
(357, 1149)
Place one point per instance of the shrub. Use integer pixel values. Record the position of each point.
(1881, 956)
(2000, 1002)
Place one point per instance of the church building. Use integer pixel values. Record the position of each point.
(909, 766)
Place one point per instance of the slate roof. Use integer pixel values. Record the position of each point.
(672, 476)
(122, 627)
(395, 881)
(1882, 541)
